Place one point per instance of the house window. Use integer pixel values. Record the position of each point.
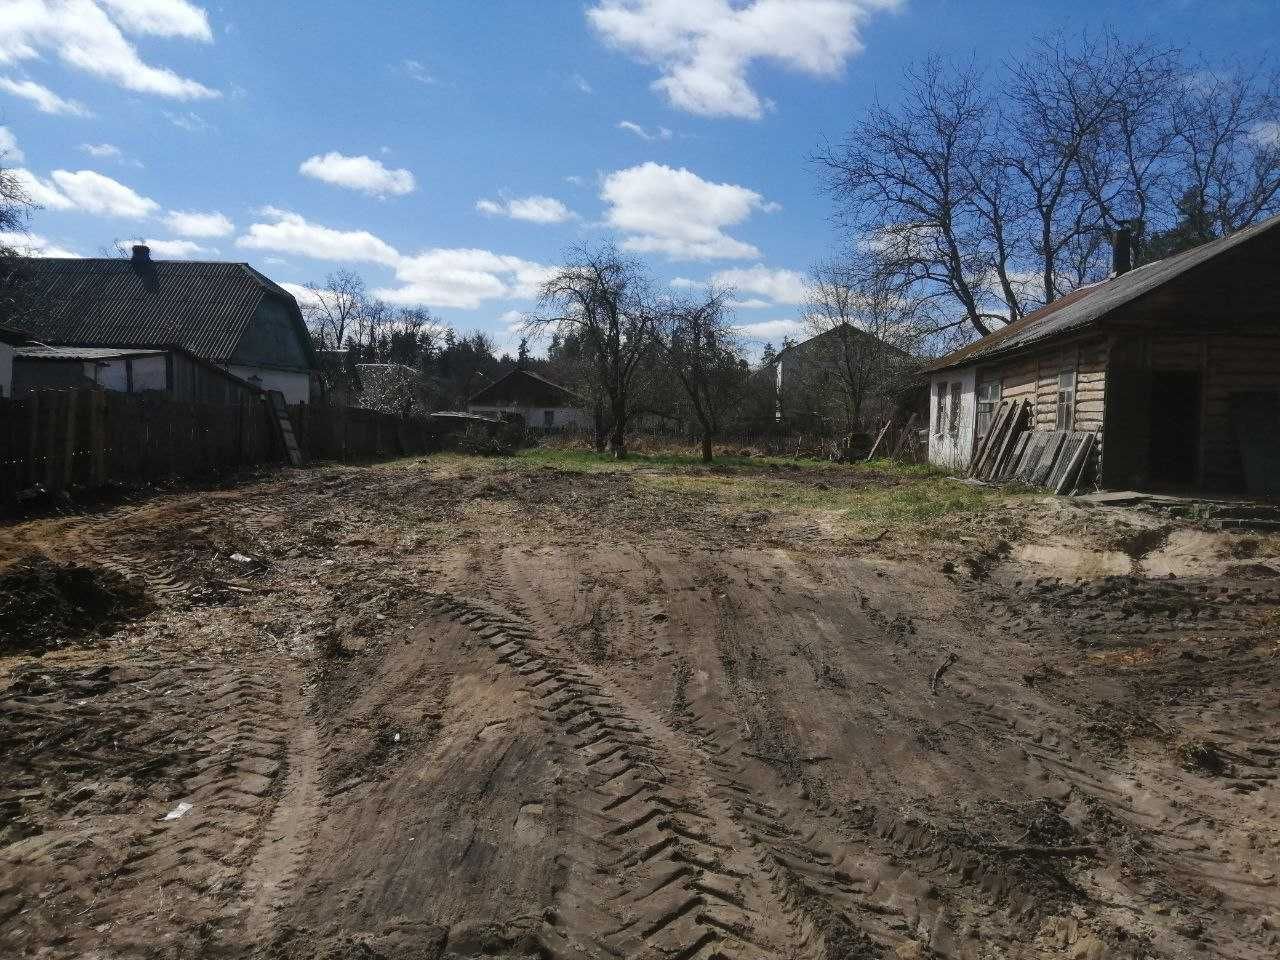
(988, 400)
(940, 413)
(955, 408)
(1066, 399)
(548, 419)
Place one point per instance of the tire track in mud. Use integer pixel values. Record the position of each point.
(695, 866)
(92, 736)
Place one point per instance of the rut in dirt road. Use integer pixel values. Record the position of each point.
(681, 872)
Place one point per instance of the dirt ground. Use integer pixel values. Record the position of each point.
(458, 707)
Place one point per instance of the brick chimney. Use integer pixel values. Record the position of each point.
(1122, 250)
(141, 253)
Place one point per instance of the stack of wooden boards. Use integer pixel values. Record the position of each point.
(1011, 452)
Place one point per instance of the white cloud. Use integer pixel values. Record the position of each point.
(581, 83)
(43, 193)
(10, 152)
(416, 70)
(94, 193)
(1266, 133)
(189, 120)
(177, 249)
(161, 18)
(291, 233)
(103, 151)
(438, 277)
(779, 286)
(675, 212)
(45, 100)
(189, 223)
(86, 37)
(34, 245)
(662, 133)
(463, 278)
(773, 330)
(305, 296)
(704, 48)
(358, 173)
(532, 209)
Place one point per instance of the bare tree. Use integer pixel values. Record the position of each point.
(987, 194)
(865, 341)
(15, 206)
(1068, 101)
(904, 184)
(604, 300)
(703, 352)
(1227, 130)
(334, 309)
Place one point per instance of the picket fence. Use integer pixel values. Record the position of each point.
(53, 441)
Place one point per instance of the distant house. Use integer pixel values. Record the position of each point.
(535, 399)
(172, 371)
(225, 314)
(811, 380)
(1174, 367)
(10, 340)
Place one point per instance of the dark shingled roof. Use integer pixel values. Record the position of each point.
(203, 307)
(1090, 304)
(565, 392)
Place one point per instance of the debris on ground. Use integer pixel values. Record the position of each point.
(469, 706)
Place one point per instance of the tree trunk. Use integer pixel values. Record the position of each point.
(706, 446)
(601, 435)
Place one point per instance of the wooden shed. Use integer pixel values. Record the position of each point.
(1172, 368)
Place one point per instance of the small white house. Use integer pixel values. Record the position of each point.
(536, 400)
(8, 341)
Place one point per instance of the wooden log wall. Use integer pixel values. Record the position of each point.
(1035, 379)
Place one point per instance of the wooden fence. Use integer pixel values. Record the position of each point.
(59, 440)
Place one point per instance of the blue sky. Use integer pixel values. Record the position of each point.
(451, 150)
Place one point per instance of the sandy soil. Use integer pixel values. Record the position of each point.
(460, 708)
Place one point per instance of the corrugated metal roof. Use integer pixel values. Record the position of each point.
(203, 307)
(40, 351)
(1090, 304)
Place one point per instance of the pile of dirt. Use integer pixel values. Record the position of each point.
(44, 604)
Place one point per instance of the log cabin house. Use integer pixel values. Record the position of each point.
(1174, 367)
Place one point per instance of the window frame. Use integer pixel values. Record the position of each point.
(1065, 411)
(985, 409)
(940, 391)
(957, 400)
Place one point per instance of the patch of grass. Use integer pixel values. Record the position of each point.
(928, 498)
(589, 461)
(883, 493)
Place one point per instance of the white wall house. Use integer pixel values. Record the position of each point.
(6, 370)
(538, 401)
(952, 417)
(547, 418)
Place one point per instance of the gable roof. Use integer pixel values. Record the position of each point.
(203, 307)
(1092, 303)
(540, 381)
(835, 331)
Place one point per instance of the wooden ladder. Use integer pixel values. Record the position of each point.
(284, 427)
